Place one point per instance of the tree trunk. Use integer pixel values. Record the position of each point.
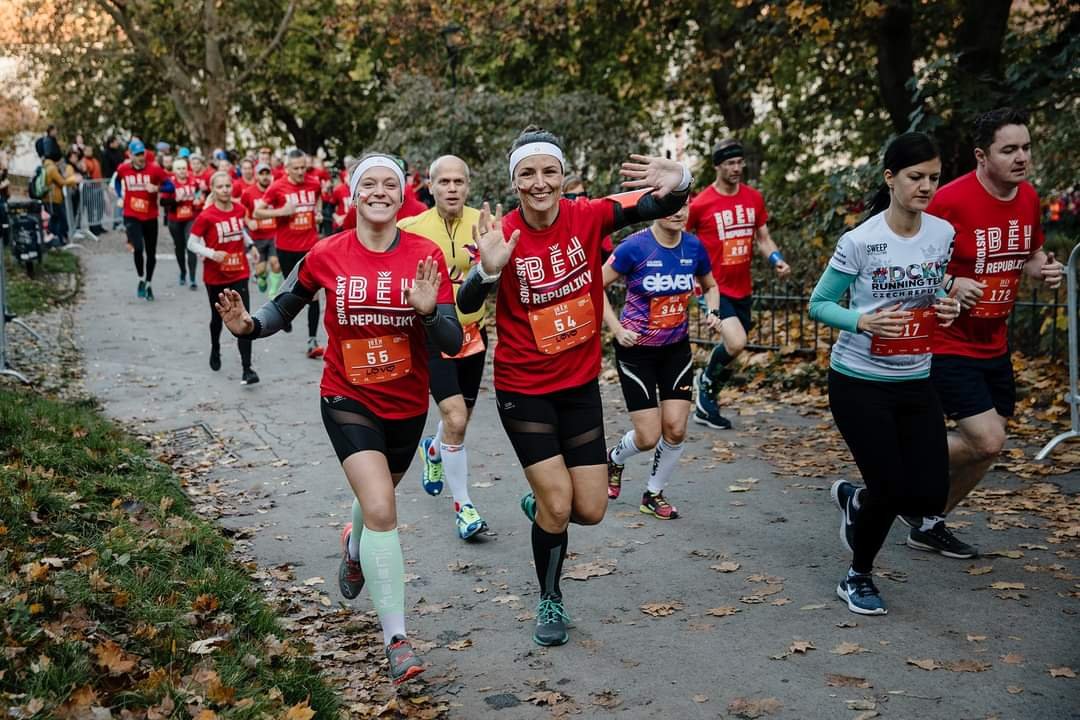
(896, 62)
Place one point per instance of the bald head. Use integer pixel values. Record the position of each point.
(449, 185)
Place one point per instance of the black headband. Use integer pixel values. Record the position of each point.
(726, 152)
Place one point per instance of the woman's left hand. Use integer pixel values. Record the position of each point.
(424, 291)
(946, 309)
(659, 173)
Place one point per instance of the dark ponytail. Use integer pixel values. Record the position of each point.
(903, 151)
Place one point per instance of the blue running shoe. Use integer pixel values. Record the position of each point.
(528, 506)
(706, 409)
(551, 620)
(469, 522)
(432, 477)
(861, 595)
(843, 494)
(141, 291)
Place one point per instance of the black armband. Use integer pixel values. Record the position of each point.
(283, 308)
(444, 329)
(473, 291)
(649, 207)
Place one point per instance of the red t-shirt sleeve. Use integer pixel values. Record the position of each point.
(307, 276)
(273, 197)
(200, 226)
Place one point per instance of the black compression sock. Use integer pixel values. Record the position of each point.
(549, 551)
(718, 371)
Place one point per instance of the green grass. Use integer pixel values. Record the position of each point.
(99, 544)
(25, 294)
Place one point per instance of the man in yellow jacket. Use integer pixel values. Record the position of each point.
(57, 176)
(455, 381)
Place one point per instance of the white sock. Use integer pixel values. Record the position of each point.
(435, 447)
(930, 521)
(357, 529)
(456, 468)
(665, 459)
(626, 449)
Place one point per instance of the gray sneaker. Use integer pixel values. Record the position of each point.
(405, 664)
(551, 619)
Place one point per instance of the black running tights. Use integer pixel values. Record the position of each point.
(241, 286)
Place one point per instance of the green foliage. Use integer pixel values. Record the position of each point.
(45, 289)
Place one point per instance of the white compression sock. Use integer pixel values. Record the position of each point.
(357, 529)
(665, 459)
(435, 448)
(930, 521)
(384, 573)
(456, 466)
(626, 449)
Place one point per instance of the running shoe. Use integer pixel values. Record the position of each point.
(469, 522)
(215, 359)
(193, 287)
(314, 349)
(912, 521)
(551, 620)
(706, 395)
(183, 279)
(716, 420)
(141, 291)
(405, 664)
(431, 479)
(260, 282)
(843, 494)
(149, 293)
(350, 576)
(940, 539)
(861, 595)
(250, 377)
(287, 328)
(614, 477)
(528, 506)
(657, 506)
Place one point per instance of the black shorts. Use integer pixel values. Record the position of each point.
(456, 377)
(970, 386)
(741, 308)
(352, 428)
(567, 422)
(642, 368)
(266, 249)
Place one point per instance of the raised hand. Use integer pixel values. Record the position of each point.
(425, 288)
(647, 171)
(886, 322)
(231, 309)
(494, 248)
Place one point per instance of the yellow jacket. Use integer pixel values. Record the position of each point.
(456, 241)
(56, 181)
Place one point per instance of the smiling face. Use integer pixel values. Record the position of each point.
(1008, 159)
(450, 186)
(378, 196)
(538, 180)
(913, 187)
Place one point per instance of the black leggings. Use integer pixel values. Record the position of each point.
(180, 229)
(212, 291)
(288, 260)
(142, 236)
(896, 433)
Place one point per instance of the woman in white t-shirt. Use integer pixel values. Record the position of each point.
(880, 394)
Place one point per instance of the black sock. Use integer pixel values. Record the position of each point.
(718, 371)
(549, 551)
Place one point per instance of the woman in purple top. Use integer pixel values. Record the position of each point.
(652, 347)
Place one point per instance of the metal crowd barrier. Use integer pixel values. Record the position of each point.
(94, 206)
(1072, 397)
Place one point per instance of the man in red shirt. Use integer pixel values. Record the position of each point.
(139, 182)
(995, 212)
(246, 179)
(295, 200)
(730, 219)
(262, 233)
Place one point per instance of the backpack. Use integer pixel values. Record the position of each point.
(39, 187)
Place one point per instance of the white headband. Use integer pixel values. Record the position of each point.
(372, 162)
(536, 148)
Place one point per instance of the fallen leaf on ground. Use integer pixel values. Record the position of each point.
(207, 646)
(661, 609)
(584, 571)
(1062, 672)
(607, 699)
(1011, 554)
(314, 581)
(700, 698)
(1014, 689)
(968, 666)
(113, 658)
(751, 709)
(1008, 586)
(838, 680)
(460, 644)
(801, 646)
(722, 611)
(1012, 659)
(725, 567)
(847, 648)
(545, 697)
(980, 570)
(300, 711)
(861, 705)
(925, 663)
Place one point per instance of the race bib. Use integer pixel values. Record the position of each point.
(233, 262)
(736, 250)
(184, 212)
(139, 205)
(375, 360)
(916, 340)
(472, 342)
(564, 325)
(998, 297)
(668, 311)
(300, 221)
(267, 223)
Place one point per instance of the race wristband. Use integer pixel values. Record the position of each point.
(687, 179)
(775, 258)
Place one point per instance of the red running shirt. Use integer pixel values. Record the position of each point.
(223, 230)
(994, 238)
(376, 350)
(138, 202)
(342, 203)
(266, 228)
(298, 232)
(184, 194)
(239, 185)
(726, 224)
(551, 300)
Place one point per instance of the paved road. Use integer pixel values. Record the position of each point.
(148, 364)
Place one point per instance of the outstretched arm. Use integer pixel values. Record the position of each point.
(273, 316)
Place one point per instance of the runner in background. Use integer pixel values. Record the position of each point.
(139, 181)
(730, 218)
(391, 296)
(652, 348)
(220, 236)
(294, 201)
(342, 200)
(246, 179)
(880, 392)
(268, 275)
(178, 198)
(547, 358)
(455, 380)
(999, 238)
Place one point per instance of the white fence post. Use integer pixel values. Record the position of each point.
(1072, 397)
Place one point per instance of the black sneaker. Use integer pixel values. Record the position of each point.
(715, 420)
(250, 377)
(215, 359)
(843, 494)
(149, 292)
(940, 539)
(551, 619)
